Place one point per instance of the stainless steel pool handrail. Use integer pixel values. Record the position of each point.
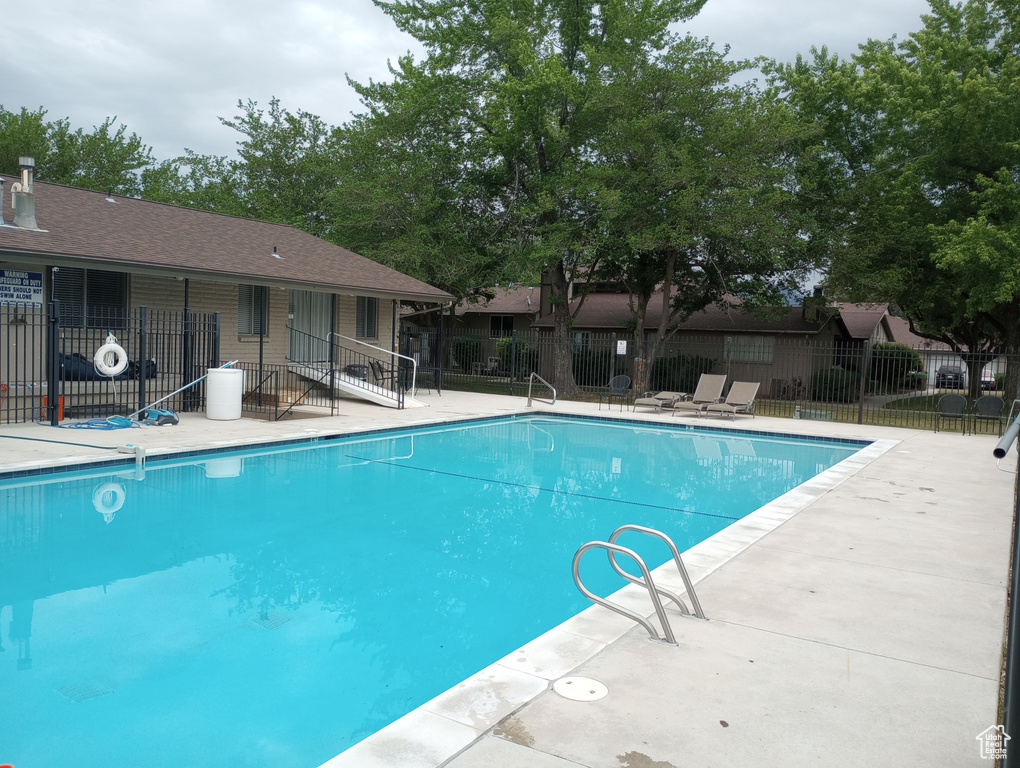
(653, 591)
(688, 586)
(531, 381)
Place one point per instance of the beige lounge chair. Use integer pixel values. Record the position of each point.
(659, 400)
(708, 391)
(740, 399)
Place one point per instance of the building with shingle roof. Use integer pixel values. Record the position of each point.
(109, 252)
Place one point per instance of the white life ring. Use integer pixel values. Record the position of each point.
(108, 498)
(111, 359)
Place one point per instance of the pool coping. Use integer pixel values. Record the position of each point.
(125, 459)
(443, 727)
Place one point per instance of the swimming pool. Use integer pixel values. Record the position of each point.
(280, 605)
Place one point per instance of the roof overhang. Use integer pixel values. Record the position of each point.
(82, 262)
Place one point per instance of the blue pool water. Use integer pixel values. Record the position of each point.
(275, 607)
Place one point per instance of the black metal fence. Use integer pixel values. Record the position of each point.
(320, 373)
(48, 370)
(846, 381)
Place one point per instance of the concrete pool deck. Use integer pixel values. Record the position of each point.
(857, 620)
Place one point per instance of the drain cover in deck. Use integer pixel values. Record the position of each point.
(580, 689)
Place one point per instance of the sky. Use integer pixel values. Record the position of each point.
(169, 69)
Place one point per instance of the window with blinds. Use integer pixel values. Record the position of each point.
(250, 318)
(367, 323)
(91, 298)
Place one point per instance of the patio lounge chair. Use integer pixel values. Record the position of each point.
(616, 388)
(739, 400)
(708, 391)
(951, 407)
(659, 400)
(988, 408)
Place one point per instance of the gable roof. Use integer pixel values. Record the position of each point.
(861, 320)
(521, 299)
(86, 228)
(611, 312)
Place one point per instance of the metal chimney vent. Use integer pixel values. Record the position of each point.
(23, 198)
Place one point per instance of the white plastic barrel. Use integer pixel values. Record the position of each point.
(223, 391)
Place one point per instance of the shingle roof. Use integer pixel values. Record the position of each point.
(862, 319)
(506, 301)
(611, 312)
(140, 235)
(902, 334)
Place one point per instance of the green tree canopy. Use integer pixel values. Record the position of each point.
(506, 102)
(915, 172)
(694, 188)
(284, 171)
(108, 159)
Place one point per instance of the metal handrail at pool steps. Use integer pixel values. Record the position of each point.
(654, 592)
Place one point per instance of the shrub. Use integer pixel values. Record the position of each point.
(915, 380)
(835, 386)
(894, 366)
(595, 367)
(524, 358)
(679, 373)
(466, 350)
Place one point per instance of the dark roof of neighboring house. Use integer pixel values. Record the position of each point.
(82, 227)
(902, 334)
(611, 312)
(861, 320)
(506, 301)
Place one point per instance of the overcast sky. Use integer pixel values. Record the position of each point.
(168, 69)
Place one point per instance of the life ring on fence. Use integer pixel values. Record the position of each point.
(108, 498)
(111, 359)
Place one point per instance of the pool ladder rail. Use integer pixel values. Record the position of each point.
(656, 593)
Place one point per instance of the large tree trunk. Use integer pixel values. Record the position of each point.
(563, 352)
(647, 350)
(644, 358)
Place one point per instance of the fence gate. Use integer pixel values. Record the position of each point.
(47, 371)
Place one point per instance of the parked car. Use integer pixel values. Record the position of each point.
(987, 380)
(949, 377)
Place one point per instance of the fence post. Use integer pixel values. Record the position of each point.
(215, 356)
(513, 359)
(865, 374)
(215, 350)
(187, 358)
(440, 352)
(142, 356)
(53, 374)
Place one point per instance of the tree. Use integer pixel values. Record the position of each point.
(513, 87)
(196, 181)
(914, 173)
(286, 169)
(695, 191)
(410, 194)
(22, 134)
(107, 159)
